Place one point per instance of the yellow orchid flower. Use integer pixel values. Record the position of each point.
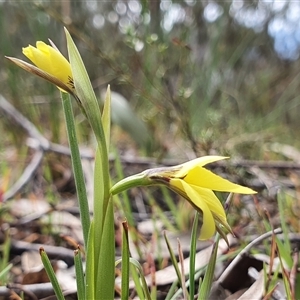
(50, 64)
(196, 184)
(50, 60)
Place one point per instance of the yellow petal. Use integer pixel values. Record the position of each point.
(204, 178)
(208, 226)
(215, 206)
(59, 65)
(212, 201)
(36, 56)
(198, 162)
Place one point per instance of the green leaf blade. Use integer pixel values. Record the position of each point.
(90, 283)
(106, 265)
(106, 117)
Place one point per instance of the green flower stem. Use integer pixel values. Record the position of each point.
(130, 182)
(77, 166)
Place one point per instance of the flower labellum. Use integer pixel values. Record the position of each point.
(196, 184)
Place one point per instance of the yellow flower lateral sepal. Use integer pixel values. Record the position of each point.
(196, 184)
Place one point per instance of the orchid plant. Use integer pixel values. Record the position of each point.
(190, 180)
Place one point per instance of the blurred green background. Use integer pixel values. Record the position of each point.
(197, 77)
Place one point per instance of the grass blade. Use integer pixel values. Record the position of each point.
(181, 261)
(173, 259)
(4, 272)
(80, 281)
(285, 246)
(51, 274)
(193, 255)
(172, 290)
(209, 274)
(285, 277)
(147, 295)
(125, 263)
(137, 283)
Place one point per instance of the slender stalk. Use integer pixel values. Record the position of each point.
(77, 166)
